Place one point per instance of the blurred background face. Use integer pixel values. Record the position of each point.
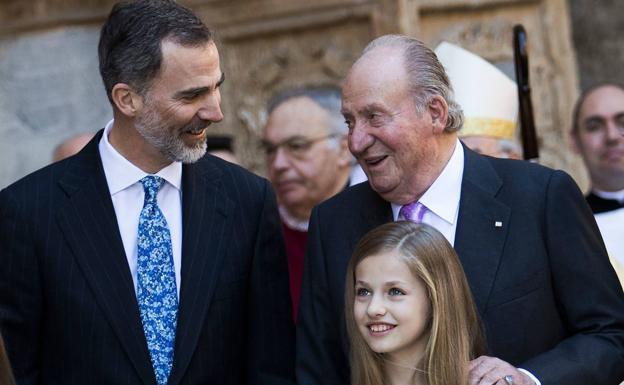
(598, 138)
(488, 145)
(301, 164)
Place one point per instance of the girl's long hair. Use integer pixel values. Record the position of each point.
(6, 377)
(456, 336)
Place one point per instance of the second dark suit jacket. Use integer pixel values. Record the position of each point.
(542, 282)
(68, 309)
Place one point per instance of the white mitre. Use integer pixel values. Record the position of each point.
(487, 96)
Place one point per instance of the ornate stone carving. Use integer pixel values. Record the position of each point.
(268, 64)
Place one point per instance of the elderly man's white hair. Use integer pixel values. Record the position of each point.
(426, 75)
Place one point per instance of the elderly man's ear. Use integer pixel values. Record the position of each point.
(127, 100)
(438, 110)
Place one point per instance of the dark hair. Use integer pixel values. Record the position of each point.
(579, 103)
(130, 40)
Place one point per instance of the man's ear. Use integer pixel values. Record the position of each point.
(438, 110)
(574, 142)
(126, 99)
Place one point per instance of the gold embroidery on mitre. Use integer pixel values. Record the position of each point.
(498, 128)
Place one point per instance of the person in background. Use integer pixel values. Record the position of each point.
(597, 135)
(489, 101)
(71, 146)
(308, 161)
(139, 260)
(410, 315)
(550, 302)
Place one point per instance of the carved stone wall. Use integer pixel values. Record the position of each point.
(266, 46)
(599, 42)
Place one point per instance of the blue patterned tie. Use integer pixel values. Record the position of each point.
(156, 289)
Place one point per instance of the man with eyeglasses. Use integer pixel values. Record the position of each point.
(307, 162)
(598, 136)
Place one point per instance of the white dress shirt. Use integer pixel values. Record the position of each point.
(442, 198)
(123, 179)
(442, 202)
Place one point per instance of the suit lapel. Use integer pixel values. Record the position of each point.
(482, 226)
(207, 222)
(374, 212)
(90, 227)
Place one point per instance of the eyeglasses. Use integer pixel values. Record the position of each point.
(296, 146)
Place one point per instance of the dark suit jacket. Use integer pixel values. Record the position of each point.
(68, 308)
(542, 282)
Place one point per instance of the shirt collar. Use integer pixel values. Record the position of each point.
(613, 195)
(442, 197)
(292, 222)
(121, 173)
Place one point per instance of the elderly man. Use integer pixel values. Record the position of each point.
(549, 299)
(598, 136)
(140, 260)
(489, 101)
(308, 161)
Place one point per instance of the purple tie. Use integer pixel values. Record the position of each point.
(413, 212)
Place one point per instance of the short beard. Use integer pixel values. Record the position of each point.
(152, 127)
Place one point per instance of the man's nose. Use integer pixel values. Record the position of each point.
(280, 160)
(359, 140)
(376, 306)
(210, 109)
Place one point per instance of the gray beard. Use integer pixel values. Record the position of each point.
(150, 126)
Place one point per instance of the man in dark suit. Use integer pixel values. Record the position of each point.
(550, 302)
(140, 260)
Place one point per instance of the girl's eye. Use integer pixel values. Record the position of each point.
(361, 292)
(395, 291)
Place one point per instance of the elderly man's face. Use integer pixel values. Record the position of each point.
(183, 100)
(392, 142)
(301, 165)
(599, 139)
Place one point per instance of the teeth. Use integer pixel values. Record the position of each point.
(380, 328)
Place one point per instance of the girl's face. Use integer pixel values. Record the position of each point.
(391, 307)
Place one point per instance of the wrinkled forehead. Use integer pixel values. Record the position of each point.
(297, 116)
(377, 66)
(375, 75)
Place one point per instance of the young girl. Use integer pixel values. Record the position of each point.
(409, 311)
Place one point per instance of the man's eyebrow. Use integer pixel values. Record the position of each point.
(221, 80)
(192, 92)
(593, 118)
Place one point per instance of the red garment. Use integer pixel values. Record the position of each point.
(295, 242)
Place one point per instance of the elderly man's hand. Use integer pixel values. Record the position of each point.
(493, 371)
